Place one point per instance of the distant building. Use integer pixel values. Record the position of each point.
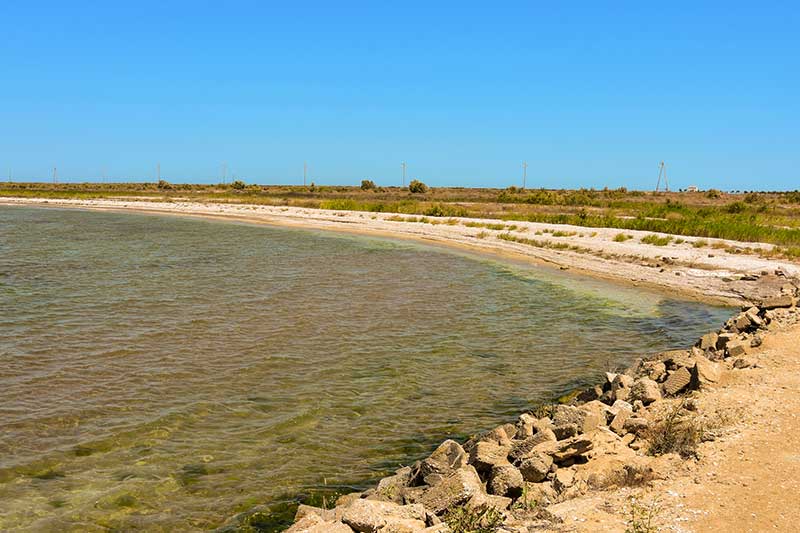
(692, 188)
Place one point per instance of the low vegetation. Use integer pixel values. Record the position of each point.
(656, 240)
(462, 519)
(772, 218)
(679, 432)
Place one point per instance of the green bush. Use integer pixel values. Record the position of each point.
(417, 186)
(368, 185)
(239, 185)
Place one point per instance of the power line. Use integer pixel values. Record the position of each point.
(662, 171)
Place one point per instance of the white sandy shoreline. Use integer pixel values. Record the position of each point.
(706, 273)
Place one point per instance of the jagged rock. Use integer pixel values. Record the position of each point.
(370, 516)
(538, 495)
(455, 489)
(756, 341)
(505, 480)
(563, 479)
(391, 488)
(618, 424)
(590, 394)
(743, 362)
(445, 459)
(655, 370)
(708, 341)
(705, 372)
(522, 449)
(724, 339)
(485, 455)
(303, 510)
(582, 418)
(675, 359)
(646, 390)
(677, 381)
(346, 499)
(438, 528)
(736, 348)
(618, 406)
(564, 450)
(528, 425)
(313, 523)
(784, 300)
(635, 424)
(535, 466)
(565, 431)
(498, 436)
(752, 315)
(621, 387)
(741, 322)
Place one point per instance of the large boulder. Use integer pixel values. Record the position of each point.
(444, 460)
(455, 489)
(565, 450)
(736, 348)
(522, 449)
(774, 302)
(621, 387)
(371, 516)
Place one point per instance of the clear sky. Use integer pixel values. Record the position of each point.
(590, 93)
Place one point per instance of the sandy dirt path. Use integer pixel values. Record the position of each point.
(708, 272)
(747, 480)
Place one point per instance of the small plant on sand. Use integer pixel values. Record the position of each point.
(678, 432)
(655, 240)
(642, 516)
(476, 520)
(702, 243)
(483, 235)
(622, 237)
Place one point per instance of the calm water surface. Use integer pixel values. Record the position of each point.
(163, 373)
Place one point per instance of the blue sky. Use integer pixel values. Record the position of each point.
(591, 94)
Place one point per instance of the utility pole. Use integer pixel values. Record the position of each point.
(104, 174)
(305, 172)
(224, 172)
(403, 164)
(662, 171)
(55, 175)
(524, 173)
(158, 172)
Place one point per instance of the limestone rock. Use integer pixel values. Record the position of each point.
(635, 425)
(455, 489)
(445, 459)
(705, 372)
(736, 349)
(484, 455)
(369, 516)
(646, 390)
(618, 424)
(312, 523)
(708, 341)
(621, 387)
(677, 381)
(521, 449)
(655, 370)
(563, 479)
(675, 359)
(567, 449)
(505, 480)
(535, 466)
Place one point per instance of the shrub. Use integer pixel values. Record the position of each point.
(713, 193)
(678, 432)
(239, 185)
(417, 186)
(655, 240)
(474, 520)
(164, 185)
(368, 185)
(621, 237)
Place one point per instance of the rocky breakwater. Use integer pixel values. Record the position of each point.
(634, 427)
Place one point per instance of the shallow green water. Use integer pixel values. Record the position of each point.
(164, 373)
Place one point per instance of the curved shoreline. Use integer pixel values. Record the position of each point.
(709, 275)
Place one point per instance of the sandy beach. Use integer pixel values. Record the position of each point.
(710, 272)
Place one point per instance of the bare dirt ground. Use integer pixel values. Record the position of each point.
(709, 272)
(747, 480)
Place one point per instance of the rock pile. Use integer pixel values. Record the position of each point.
(517, 470)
